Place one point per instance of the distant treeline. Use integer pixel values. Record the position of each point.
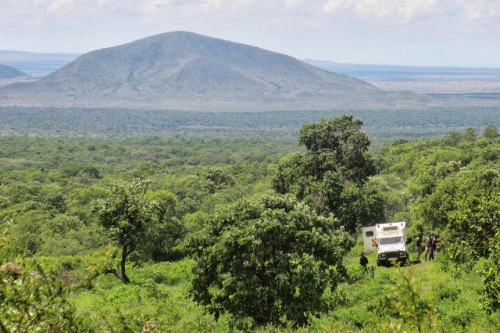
(126, 123)
(110, 155)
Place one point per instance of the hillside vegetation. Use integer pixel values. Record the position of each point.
(221, 235)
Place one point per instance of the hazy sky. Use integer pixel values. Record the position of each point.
(406, 32)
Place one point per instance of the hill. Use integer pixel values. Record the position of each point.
(187, 71)
(36, 64)
(8, 72)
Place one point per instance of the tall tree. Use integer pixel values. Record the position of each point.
(127, 214)
(470, 134)
(164, 233)
(338, 145)
(491, 132)
(331, 175)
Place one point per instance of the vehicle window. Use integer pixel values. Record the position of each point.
(390, 240)
(369, 234)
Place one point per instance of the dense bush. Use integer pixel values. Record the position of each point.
(268, 261)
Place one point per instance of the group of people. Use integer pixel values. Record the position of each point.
(431, 246)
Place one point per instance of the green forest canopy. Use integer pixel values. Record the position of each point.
(49, 189)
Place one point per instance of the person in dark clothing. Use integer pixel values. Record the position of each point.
(418, 246)
(363, 261)
(429, 250)
(435, 246)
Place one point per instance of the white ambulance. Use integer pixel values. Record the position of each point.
(389, 240)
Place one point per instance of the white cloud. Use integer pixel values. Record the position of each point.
(346, 26)
(417, 15)
(461, 13)
(381, 9)
(483, 11)
(385, 11)
(38, 3)
(292, 3)
(57, 5)
(153, 6)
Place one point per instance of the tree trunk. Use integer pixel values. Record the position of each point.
(125, 253)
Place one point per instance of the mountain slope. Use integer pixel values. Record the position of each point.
(8, 72)
(182, 70)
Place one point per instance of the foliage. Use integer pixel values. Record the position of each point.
(49, 188)
(32, 299)
(461, 203)
(84, 158)
(492, 276)
(330, 176)
(155, 300)
(127, 214)
(417, 314)
(217, 179)
(395, 194)
(338, 145)
(455, 187)
(267, 261)
(472, 228)
(491, 132)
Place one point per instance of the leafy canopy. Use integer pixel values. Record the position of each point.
(267, 261)
(127, 214)
(330, 177)
(338, 144)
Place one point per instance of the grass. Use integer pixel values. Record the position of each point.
(158, 297)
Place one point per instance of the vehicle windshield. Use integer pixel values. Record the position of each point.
(390, 240)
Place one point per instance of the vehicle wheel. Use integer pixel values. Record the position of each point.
(379, 263)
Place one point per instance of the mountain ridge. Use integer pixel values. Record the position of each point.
(183, 70)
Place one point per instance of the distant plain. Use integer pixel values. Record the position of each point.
(427, 80)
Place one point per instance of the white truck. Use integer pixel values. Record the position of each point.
(389, 240)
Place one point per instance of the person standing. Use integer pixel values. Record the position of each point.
(429, 251)
(435, 246)
(418, 246)
(363, 261)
